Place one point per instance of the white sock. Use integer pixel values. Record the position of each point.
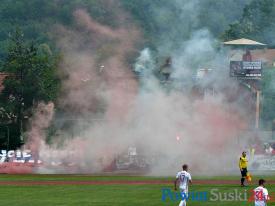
(182, 203)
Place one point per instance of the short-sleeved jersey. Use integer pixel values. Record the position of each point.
(243, 162)
(261, 196)
(184, 178)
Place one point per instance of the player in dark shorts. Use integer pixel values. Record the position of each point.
(243, 167)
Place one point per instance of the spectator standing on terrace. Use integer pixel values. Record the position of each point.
(247, 56)
(166, 69)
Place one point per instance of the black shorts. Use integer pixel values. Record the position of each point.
(244, 172)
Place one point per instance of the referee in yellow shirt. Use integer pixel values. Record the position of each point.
(243, 167)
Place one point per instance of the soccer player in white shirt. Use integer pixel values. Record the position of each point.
(184, 178)
(261, 194)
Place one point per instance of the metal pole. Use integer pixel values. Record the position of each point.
(257, 109)
(8, 140)
(21, 123)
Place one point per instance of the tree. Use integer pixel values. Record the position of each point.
(32, 77)
(257, 22)
(37, 18)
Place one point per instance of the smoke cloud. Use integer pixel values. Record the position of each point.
(105, 109)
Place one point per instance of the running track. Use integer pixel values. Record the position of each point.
(118, 182)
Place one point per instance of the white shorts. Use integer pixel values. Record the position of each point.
(184, 192)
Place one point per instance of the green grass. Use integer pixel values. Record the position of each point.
(103, 195)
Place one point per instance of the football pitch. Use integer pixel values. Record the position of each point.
(86, 190)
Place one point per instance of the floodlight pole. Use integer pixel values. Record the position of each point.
(8, 137)
(257, 120)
